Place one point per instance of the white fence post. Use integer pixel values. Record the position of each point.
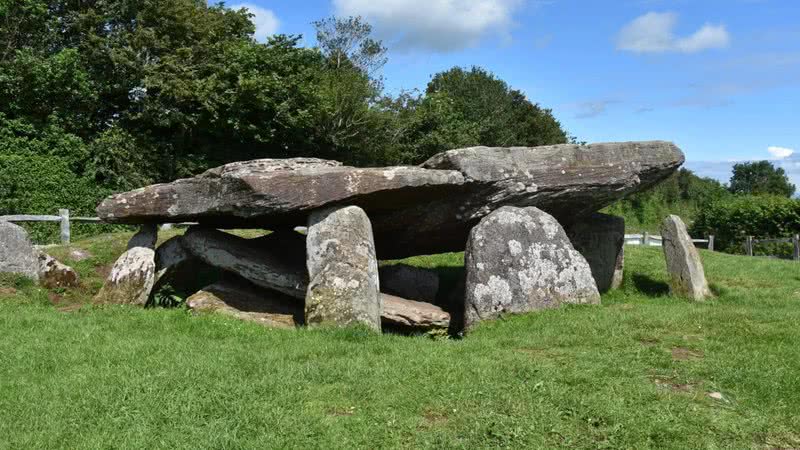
(65, 234)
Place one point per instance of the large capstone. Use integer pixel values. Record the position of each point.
(520, 260)
(414, 210)
(343, 270)
(600, 238)
(687, 277)
(17, 254)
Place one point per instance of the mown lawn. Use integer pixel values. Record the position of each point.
(635, 372)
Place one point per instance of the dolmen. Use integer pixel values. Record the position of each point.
(527, 219)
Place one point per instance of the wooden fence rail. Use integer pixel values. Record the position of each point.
(751, 242)
(648, 239)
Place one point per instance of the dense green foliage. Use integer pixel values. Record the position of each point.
(634, 372)
(760, 178)
(126, 93)
(763, 216)
(684, 194)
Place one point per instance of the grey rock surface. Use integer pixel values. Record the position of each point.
(409, 314)
(248, 302)
(409, 282)
(687, 276)
(53, 274)
(600, 238)
(131, 278)
(274, 261)
(17, 254)
(520, 260)
(414, 210)
(146, 237)
(343, 270)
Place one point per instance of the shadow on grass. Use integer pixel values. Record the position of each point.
(649, 286)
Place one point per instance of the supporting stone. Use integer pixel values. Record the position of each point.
(687, 277)
(520, 260)
(133, 275)
(343, 270)
(600, 238)
(17, 254)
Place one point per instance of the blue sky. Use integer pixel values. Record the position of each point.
(720, 78)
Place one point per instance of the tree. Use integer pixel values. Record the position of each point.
(504, 116)
(759, 178)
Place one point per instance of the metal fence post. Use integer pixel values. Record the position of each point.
(711, 242)
(64, 214)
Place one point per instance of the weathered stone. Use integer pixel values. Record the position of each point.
(146, 237)
(343, 270)
(246, 302)
(409, 282)
(53, 274)
(600, 238)
(687, 277)
(274, 261)
(520, 260)
(17, 254)
(413, 210)
(408, 314)
(131, 279)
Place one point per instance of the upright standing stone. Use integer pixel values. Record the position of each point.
(17, 254)
(687, 277)
(600, 238)
(342, 268)
(133, 275)
(520, 260)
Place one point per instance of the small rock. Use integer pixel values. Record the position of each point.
(53, 274)
(687, 277)
(17, 254)
(343, 270)
(413, 315)
(716, 395)
(409, 282)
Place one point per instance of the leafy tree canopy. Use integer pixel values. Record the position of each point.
(760, 178)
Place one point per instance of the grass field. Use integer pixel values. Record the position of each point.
(635, 372)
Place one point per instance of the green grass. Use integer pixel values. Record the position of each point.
(633, 373)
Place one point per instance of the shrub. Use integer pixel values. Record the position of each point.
(735, 218)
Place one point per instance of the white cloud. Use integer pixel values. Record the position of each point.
(780, 152)
(440, 25)
(654, 33)
(265, 20)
